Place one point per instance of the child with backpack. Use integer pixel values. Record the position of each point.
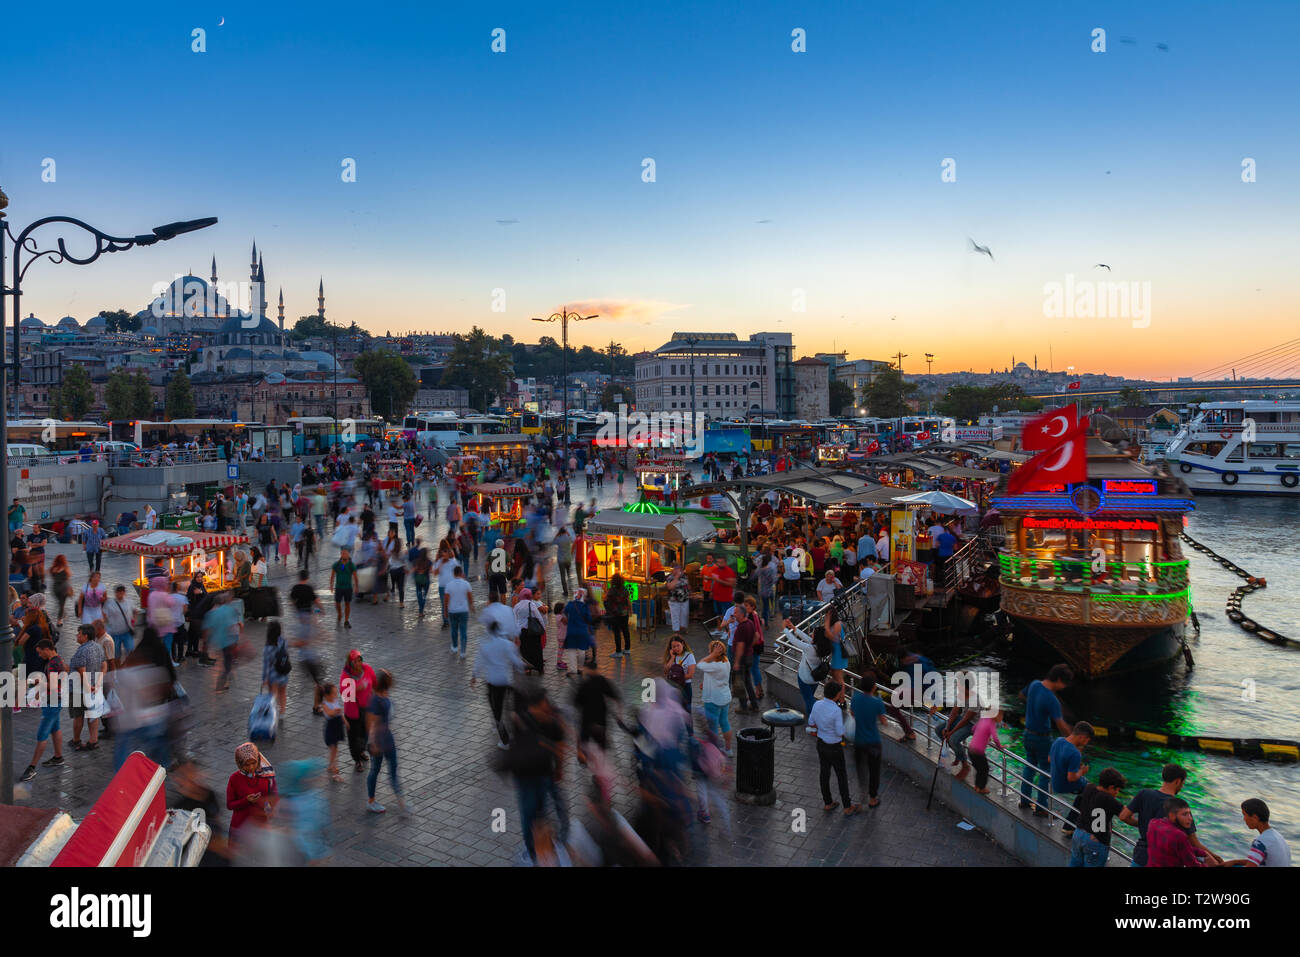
(276, 665)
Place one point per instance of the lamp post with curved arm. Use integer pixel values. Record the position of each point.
(564, 317)
(27, 251)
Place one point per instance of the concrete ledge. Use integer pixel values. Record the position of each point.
(1018, 832)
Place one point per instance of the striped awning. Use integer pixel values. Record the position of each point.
(501, 488)
(166, 542)
(652, 469)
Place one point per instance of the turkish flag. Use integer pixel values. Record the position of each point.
(1044, 431)
(1076, 385)
(1065, 461)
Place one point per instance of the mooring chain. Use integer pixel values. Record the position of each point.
(1233, 610)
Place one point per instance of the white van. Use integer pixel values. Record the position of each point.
(26, 450)
(440, 439)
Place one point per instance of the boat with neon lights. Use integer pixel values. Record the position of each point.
(1250, 446)
(1093, 573)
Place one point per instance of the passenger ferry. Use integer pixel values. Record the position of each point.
(1249, 446)
(1094, 573)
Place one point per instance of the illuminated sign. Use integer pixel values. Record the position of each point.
(1129, 486)
(1094, 524)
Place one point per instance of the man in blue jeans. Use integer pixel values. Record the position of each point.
(1067, 768)
(1042, 711)
(1098, 807)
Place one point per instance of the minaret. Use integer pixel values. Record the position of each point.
(252, 264)
(282, 323)
(214, 269)
(320, 299)
(261, 290)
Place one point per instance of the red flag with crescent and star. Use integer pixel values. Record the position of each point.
(1044, 431)
(1065, 461)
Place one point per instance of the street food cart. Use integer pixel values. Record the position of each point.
(186, 552)
(501, 503)
(390, 475)
(640, 546)
(660, 481)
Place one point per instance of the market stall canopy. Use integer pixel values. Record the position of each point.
(1002, 456)
(675, 529)
(871, 495)
(503, 489)
(940, 502)
(962, 472)
(663, 469)
(172, 541)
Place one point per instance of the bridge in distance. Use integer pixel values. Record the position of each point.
(1158, 392)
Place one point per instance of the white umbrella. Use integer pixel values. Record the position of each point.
(940, 501)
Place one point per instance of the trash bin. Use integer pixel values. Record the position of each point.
(756, 766)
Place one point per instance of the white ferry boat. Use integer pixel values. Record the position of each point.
(1250, 446)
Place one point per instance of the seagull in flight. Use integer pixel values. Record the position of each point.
(1162, 47)
(1102, 266)
(506, 222)
(977, 248)
(762, 220)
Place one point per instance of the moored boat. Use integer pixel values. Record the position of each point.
(1093, 573)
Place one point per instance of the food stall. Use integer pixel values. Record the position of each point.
(832, 454)
(641, 546)
(660, 481)
(390, 474)
(186, 552)
(502, 503)
(464, 469)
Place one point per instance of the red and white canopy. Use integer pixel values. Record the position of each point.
(168, 541)
(653, 468)
(501, 490)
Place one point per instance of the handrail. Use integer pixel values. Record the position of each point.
(787, 657)
(1168, 575)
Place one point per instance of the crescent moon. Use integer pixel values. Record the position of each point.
(1065, 424)
(1067, 450)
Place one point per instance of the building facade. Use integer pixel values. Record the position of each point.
(730, 377)
(812, 391)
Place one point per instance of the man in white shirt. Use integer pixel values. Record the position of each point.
(828, 721)
(790, 573)
(731, 618)
(460, 602)
(445, 571)
(119, 615)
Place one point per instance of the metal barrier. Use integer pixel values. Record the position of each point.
(1008, 778)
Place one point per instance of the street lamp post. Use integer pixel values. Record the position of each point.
(564, 317)
(929, 360)
(24, 243)
(691, 341)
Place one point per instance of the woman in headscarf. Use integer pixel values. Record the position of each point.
(251, 792)
(530, 615)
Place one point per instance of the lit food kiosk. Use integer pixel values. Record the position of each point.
(464, 468)
(502, 503)
(186, 552)
(641, 546)
(659, 481)
(832, 454)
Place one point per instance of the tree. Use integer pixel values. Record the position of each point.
(886, 396)
(119, 320)
(117, 395)
(1132, 396)
(76, 395)
(479, 366)
(141, 396)
(180, 396)
(841, 396)
(612, 395)
(389, 380)
(308, 326)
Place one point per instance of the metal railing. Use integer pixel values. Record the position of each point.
(1145, 578)
(1009, 778)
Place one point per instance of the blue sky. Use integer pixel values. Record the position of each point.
(1065, 158)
